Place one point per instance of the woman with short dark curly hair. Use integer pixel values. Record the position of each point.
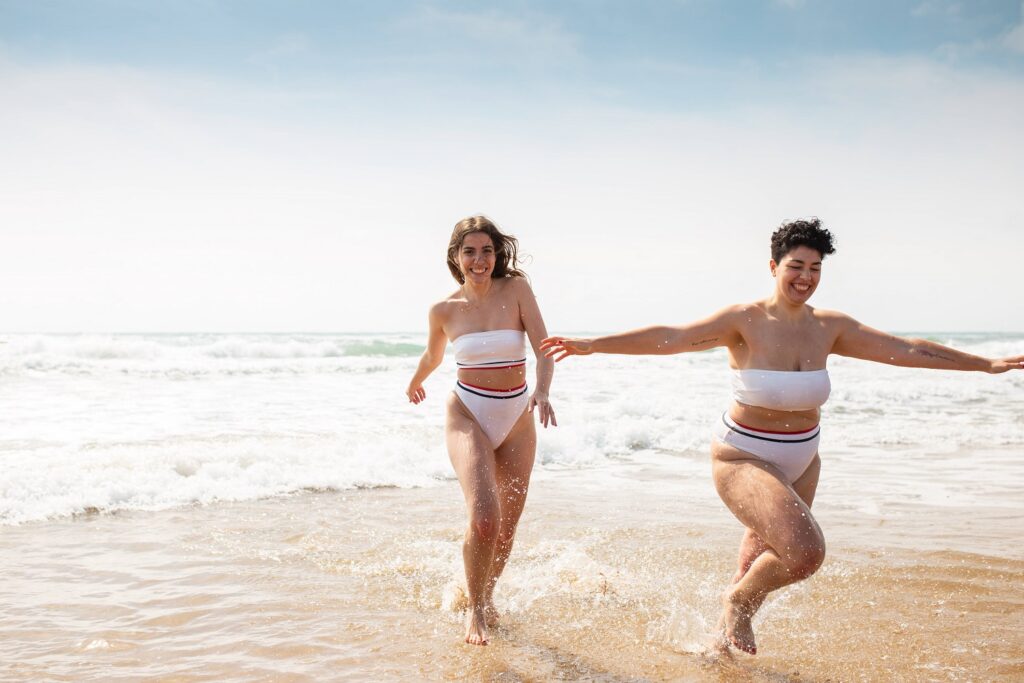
(765, 460)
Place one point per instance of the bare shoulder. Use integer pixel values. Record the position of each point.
(833, 319)
(443, 309)
(743, 313)
(517, 285)
(749, 308)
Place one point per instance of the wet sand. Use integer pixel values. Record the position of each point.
(615, 578)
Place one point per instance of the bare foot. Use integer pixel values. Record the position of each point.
(735, 625)
(476, 627)
(717, 645)
(491, 614)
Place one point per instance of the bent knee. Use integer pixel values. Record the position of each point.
(807, 561)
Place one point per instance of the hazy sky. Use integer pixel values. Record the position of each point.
(298, 166)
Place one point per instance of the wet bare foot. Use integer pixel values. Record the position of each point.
(735, 625)
(476, 627)
(717, 645)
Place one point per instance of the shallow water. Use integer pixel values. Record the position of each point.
(607, 583)
(252, 507)
(148, 422)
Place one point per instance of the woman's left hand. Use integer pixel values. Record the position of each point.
(545, 412)
(1004, 364)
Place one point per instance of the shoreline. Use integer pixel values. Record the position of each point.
(613, 578)
(900, 521)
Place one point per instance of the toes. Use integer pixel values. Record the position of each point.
(743, 646)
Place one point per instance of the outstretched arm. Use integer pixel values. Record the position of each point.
(432, 357)
(717, 330)
(533, 323)
(857, 340)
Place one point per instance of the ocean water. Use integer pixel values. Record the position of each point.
(147, 422)
(270, 507)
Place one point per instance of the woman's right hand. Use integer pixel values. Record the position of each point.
(415, 393)
(563, 347)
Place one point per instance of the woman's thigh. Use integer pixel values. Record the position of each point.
(514, 461)
(470, 452)
(764, 502)
(515, 456)
(807, 485)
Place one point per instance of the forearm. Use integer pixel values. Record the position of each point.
(545, 372)
(427, 365)
(922, 353)
(656, 340)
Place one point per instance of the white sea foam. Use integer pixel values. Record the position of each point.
(113, 422)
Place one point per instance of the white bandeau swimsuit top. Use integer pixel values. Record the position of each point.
(781, 389)
(491, 349)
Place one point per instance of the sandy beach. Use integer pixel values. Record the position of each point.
(609, 583)
(269, 507)
(234, 234)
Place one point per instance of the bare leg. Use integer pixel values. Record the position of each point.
(514, 461)
(771, 509)
(751, 546)
(474, 462)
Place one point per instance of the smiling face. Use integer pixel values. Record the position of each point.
(478, 250)
(797, 274)
(477, 257)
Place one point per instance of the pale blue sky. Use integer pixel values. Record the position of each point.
(298, 165)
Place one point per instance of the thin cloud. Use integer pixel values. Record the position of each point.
(1014, 40)
(285, 47)
(291, 43)
(133, 168)
(945, 8)
(532, 37)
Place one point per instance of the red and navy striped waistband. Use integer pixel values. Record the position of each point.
(493, 365)
(776, 437)
(492, 393)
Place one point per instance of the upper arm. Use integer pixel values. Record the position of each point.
(529, 313)
(436, 337)
(857, 340)
(718, 329)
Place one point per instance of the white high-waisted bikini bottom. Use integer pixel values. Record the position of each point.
(495, 411)
(791, 452)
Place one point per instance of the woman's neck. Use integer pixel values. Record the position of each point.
(783, 308)
(475, 293)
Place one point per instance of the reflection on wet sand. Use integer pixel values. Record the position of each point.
(607, 583)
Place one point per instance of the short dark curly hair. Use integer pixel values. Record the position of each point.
(801, 233)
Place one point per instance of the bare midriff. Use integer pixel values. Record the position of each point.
(497, 379)
(769, 420)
